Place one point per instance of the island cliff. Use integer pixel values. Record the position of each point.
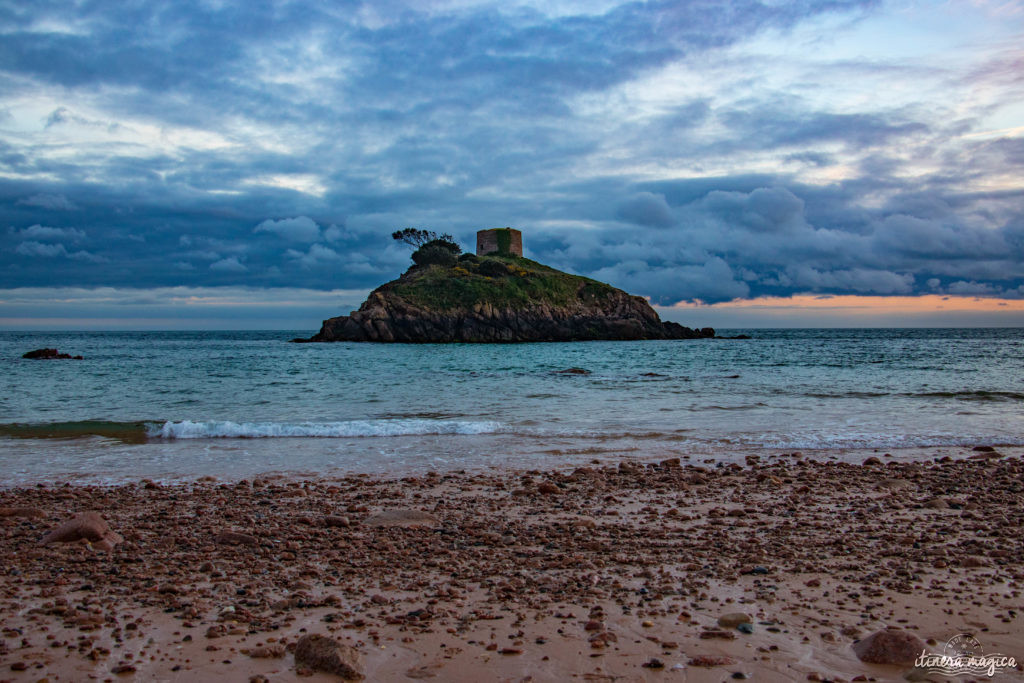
(499, 298)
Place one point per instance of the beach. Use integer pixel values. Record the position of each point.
(770, 569)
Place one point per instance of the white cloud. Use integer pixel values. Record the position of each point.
(298, 229)
(39, 249)
(44, 232)
(317, 255)
(228, 265)
(55, 202)
(32, 248)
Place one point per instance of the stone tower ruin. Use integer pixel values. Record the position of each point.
(502, 241)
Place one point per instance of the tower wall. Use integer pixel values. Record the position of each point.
(490, 241)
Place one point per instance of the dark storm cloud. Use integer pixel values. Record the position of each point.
(279, 144)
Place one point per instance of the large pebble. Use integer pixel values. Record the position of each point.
(734, 619)
(321, 653)
(889, 646)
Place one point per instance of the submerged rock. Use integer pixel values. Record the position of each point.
(49, 354)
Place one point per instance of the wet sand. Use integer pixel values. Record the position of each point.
(587, 574)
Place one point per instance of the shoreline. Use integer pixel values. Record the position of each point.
(584, 573)
(228, 460)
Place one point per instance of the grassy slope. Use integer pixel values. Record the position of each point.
(502, 281)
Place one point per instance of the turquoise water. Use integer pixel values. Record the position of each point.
(186, 404)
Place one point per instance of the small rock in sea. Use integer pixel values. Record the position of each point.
(573, 371)
(235, 538)
(734, 619)
(653, 663)
(85, 526)
(49, 354)
(889, 646)
(321, 653)
(402, 518)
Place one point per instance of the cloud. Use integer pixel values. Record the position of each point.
(39, 249)
(317, 255)
(681, 151)
(230, 264)
(55, 202)
(647, 208)
(298, 229)
(43, 232)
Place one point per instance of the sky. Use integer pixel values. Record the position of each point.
(741, 163)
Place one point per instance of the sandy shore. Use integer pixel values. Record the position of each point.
(582, 575)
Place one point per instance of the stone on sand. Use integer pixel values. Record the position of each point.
(734, 619)
(321, 653)
(889, 646)
(21, 512)
(337, 521)
(403, 518)
(86, 526)
(235, 538)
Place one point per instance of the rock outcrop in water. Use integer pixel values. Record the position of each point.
(499, 299)
(49, 354)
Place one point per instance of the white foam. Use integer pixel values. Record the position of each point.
(187, 429)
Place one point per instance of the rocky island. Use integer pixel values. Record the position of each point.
(495, 295)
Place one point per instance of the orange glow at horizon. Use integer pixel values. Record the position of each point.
(873, 305)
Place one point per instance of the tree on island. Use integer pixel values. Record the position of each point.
(431, 247)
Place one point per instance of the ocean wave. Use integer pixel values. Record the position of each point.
(187, 429)
(978, 395)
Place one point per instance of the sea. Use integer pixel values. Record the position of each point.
(177, 406)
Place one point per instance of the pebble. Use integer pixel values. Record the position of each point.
(321, 653)
(235, 538)
(889, 646)
(710, 661)
(734, 619)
